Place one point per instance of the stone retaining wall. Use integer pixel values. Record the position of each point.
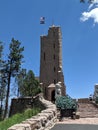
(83, 100)
(18, 105)
(42, 121)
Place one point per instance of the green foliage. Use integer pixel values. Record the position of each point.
(17, 118)
(2, 73)
(15, 57)
(66, 102)
(28, 85)
(19, 80)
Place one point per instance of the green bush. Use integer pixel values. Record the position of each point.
(17, 118)
(65, 102)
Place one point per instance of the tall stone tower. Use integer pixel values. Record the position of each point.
(51, 62)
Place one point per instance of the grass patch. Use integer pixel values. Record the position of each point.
(18, 118)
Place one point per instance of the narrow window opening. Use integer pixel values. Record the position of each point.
(54, 69)
(54, 81)
(44, 56)
(54, 45)
(54, 56)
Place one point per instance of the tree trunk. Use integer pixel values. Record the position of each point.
(7, 96)
(1, 107)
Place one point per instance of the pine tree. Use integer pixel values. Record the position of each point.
(2, 80)
(19, 80)
(13, 66)
(28, 85)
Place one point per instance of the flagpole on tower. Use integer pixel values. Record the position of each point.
(42, 22)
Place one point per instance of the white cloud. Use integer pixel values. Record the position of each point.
(91, 13)
(95, 2)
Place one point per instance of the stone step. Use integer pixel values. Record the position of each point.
(88, 116)
(87, 110)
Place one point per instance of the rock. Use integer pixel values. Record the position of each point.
(20, 127)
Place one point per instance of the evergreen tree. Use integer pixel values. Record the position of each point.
(19, 80)
(13, 66)
(28, 86)
(2, 80)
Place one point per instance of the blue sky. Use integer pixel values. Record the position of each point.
(79, 23)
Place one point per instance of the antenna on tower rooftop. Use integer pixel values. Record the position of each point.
(53, 22)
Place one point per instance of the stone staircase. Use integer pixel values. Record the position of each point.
(87, 110)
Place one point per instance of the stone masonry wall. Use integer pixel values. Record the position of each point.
(83, 100)
(18, 105)
(42, 121)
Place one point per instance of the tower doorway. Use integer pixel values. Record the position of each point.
(53, 96)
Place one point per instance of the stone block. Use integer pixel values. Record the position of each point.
(31, 122)
(20, 127)
(14, 128)
(38, 124)
(77, 116)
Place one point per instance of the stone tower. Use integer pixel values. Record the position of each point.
(51, 62)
